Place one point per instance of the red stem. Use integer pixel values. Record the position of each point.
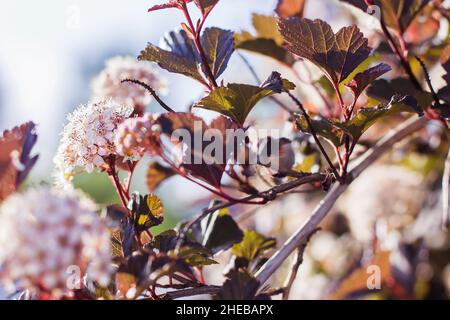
(198, 45)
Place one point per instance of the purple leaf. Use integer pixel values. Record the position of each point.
(363, 79)
(337, 55)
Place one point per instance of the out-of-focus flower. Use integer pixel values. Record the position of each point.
(88, 138)
(43, 232)
(108, 84)
(383, 192)
(134, 136)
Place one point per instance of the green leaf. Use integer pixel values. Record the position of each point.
(322, 127)
(252, 246)
(362, 80)
(177, 56)
(336, 54)
(367, 117)
(267, 41)
(220, 231)
(196, 256)
(218, 45)
(237, 100)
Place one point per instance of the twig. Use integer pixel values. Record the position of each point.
(400, 56)
(321, 211)
(314, 134)
(428, 79)
(152, 92)
(267, 196)
(298, 260)
(190, 292)
(198, 45)
(446, 193)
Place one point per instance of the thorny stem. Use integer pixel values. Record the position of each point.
(152, 92)
(323, 208)
(198, 45)
(428, 80)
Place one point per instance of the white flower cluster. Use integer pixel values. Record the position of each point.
(88, 138)
(43, 232)
(108, 84)
(134, 135)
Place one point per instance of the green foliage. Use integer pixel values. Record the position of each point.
(237, 100)
(367, 117)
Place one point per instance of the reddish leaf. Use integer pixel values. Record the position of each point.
(169, 4)
(362, 80)
(15, 160)
(193, 161)
(357, 280)
(290, 8)
(397, 14)
(337, 55)
(206, 6)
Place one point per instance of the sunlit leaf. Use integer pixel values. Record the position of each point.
(148, 211)
(253, 245)
(367, 117)
(323, 128)
(362, 80)
(218, 45)
(196, 256)
(237, 100)
(336, 54)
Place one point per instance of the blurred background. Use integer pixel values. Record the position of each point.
(50, 51)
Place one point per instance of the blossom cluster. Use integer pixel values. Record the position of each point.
(43, 232)
(108, 84)
(133, 138)
(88, 138)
